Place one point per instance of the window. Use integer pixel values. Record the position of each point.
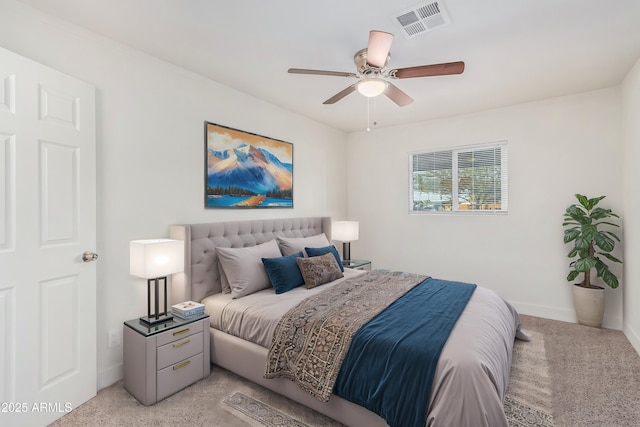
(465, 179)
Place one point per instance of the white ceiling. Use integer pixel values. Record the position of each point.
(514, 50)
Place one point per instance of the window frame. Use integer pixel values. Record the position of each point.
(455, 203)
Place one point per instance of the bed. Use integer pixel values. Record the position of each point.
(471, 376)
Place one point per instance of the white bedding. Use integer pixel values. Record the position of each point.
(254, 317)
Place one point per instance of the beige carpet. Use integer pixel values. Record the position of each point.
(201, 404)
(563, 367)
(595, 374)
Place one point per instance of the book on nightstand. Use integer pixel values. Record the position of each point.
(189, 317)
(187, 309)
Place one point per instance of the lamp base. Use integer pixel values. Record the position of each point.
(152, 320)
(346, 251)
(157, 317)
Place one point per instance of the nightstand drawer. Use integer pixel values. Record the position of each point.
(179, 376)
(179, 333)
(179, 350)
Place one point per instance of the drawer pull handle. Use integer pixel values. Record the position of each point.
(182, 331)
(178, 344)
(181, 365)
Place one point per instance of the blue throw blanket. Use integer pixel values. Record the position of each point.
(391, 362)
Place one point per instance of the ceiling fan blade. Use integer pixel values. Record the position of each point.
(321, 72)
(378, 48)
(338, 96)
(428, 70)
(396, 95)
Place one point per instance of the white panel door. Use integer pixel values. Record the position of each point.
(48, 219)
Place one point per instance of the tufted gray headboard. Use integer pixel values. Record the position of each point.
(201, 276)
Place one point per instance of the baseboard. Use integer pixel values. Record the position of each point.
(546, 312)
(110, 376)
(633, 337)
(612, 322)
(563, 315)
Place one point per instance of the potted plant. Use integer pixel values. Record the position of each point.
(588, 227)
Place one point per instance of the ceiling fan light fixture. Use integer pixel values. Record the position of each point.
(371, 87)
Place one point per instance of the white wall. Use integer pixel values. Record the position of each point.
(631, 105)
(557, 148)
(150, 130)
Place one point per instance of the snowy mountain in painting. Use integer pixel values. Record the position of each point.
(250, 168)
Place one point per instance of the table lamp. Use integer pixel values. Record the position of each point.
(345, 232)
(154, 260)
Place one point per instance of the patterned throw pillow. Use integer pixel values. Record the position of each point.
(319, 270)
(321, 251)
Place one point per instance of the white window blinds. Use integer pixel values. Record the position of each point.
(465, 179)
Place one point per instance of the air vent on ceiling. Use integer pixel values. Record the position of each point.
(422, 18)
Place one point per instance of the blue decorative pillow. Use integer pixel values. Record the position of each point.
(321, 251)
(284, 273)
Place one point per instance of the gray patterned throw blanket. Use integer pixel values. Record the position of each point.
(312, 339)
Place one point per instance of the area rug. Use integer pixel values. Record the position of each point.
(528, 401)
(261, 412)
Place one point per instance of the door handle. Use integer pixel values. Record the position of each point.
(89, 256)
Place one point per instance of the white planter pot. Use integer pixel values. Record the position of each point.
(589, 305)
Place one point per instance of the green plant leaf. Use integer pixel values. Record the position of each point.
(607, 223)
(589, 231)
(612, 235)
(592, 202)
(609, 278)
(610, 257)
(583, 252)
(571, 234)
(572, 275)
(573, 252)
(604, 242)
(582, 243)
(572, 222)
(585, 264)
(577, 214)
(599, 213)
(582, 200)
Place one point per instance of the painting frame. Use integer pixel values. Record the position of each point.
(245, 170)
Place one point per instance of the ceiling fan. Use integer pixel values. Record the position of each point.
(371, 63)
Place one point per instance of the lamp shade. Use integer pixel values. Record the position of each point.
(371, 87)
(154, 258)
(344, 231)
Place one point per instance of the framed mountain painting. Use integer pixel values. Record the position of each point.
(244, 170)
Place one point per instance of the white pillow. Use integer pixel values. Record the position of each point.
(244, 269)
(291, 245)
(224, 283)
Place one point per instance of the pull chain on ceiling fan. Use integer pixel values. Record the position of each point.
(371, 70)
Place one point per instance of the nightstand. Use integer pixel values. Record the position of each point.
(163, 359)
(357, 264)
